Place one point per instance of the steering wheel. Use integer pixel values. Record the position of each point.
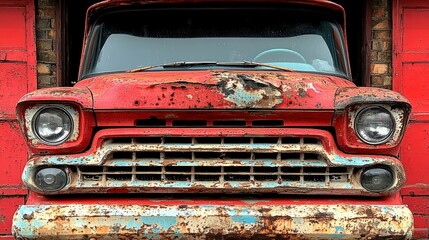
(279, 55)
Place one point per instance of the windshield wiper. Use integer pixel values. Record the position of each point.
(210, 63)
(174, 65)
(253, 64)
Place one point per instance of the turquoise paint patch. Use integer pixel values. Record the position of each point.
(339, 229)
(162, 223)
(388, 210)
(270, 184)
(313, 163)
(133, 224)
(242, 98)
(24, 224)
(245, 219)
(353, 161)
(70, 161)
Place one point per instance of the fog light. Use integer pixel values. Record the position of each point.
(377, 179)
(51, 179)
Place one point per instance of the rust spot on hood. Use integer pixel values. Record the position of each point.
(249, 91)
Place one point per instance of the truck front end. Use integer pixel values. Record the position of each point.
(214, 120)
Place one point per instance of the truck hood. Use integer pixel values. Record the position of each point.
(214, 90)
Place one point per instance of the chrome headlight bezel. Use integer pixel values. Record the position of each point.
(37, 134)
(385, 139)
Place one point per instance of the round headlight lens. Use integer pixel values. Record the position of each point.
(51, 179)
(377, 179)
(374, 125)
(53, 125)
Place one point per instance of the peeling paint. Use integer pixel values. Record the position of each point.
(246, 91)
(349, 96)
(188, 221)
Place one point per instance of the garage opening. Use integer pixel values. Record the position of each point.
(73, 23)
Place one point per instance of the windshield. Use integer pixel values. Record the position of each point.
(299, 40)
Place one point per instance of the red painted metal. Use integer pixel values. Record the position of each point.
(202, 90)
(411, 64)
(8, 205)
(18, 76)
(418, 204)
(311, 118)
(7, 237)
(36, 199)
(13, 156)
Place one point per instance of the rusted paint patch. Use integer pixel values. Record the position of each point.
(357, 95)
(189, 221)
(248, 91)
(80, 95)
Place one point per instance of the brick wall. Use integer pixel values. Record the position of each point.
(381, 43)
(46, 43)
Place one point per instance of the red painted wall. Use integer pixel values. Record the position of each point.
(18, 76)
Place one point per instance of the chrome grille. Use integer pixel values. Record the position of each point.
(219, 162)
(205, 148)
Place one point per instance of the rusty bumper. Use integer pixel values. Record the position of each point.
(213, 222)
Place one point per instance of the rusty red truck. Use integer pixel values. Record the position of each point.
(214, 120)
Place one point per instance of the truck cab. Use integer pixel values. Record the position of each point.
(214, 120)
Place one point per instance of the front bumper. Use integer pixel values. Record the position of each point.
(103, 221)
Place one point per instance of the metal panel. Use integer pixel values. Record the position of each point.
(13, 86)
(17, 77)
(13, 154)
(250, 221)
(12, 27)
(416, 32)
(7, 209)
(415, 84)
(7, 237)
(410, 77)
(414, 155)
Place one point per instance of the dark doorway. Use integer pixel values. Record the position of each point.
(358, 38)
(73, 24)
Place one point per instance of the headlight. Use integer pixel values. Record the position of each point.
(374, 125)
(52, 125)
(51, 179)
(376, 179)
